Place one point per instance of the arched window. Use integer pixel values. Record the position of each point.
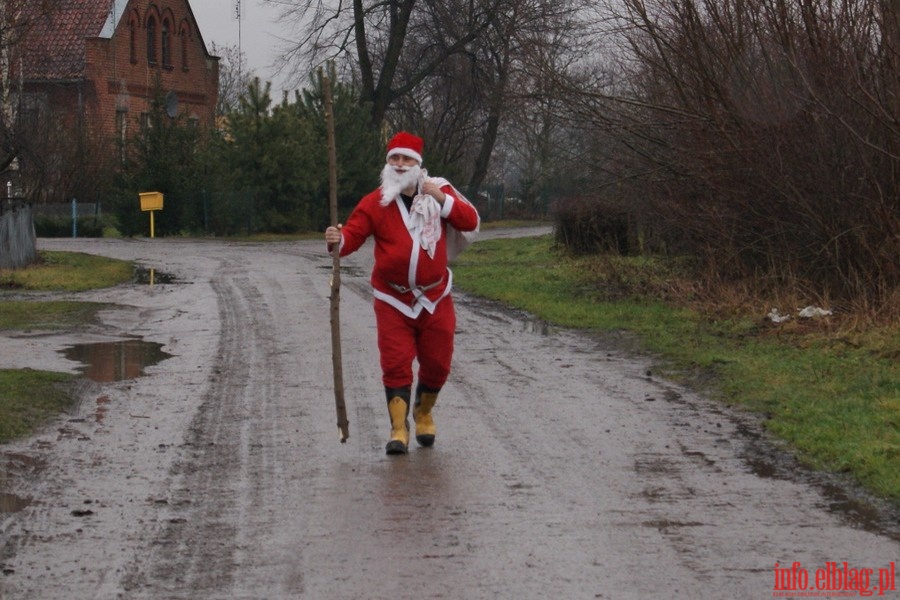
(166, 44)
(132, 41)
(184, 47)
(151, 40)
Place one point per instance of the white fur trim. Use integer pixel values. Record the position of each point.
(421, 302)
(448, 205)
(405, 152)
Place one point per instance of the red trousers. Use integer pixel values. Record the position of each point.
(427, 338)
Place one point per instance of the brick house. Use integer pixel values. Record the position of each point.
(97, 65)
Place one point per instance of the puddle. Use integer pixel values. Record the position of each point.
(149, 276)
(10, 503)
(116, 361)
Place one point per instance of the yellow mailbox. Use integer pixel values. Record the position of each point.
(151, 201)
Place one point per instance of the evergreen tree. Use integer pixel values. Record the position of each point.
(360, 150)
(162, 158)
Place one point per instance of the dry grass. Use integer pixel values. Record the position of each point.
(859, 324)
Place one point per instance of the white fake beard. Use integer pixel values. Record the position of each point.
(392, 182)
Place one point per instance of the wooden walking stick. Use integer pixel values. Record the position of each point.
(342, 422)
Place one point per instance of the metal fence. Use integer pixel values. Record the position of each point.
(65, 219)
(17, 239)
(67, 210)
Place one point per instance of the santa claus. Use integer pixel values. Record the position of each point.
(418, 223)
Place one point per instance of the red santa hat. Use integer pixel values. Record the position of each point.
(406, 144)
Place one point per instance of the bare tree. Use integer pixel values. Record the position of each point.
(890, 34)
(762, 136)
(370, 38)
(463, 104)
(15, 22)
(526, 39)
(540, 143)
(12, 28)
(234, 77)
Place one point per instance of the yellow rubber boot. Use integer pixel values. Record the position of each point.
(425, 427)
(398, 410)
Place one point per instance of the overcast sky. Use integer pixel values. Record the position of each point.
(260, 35)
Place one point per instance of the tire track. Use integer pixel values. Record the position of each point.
(227, 462)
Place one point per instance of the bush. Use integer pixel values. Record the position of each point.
(761, 140)
(585, 226)
(62, 227)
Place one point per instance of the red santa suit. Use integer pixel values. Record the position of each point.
(411, 281)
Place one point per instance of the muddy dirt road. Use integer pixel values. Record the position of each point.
(563, 468)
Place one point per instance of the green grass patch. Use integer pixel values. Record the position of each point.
(834, 397)
(28, 399)
(25, 315)
(508, 223)
(67, 271)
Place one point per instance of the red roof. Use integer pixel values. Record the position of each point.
(55, 46)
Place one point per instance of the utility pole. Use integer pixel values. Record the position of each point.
(237, 15)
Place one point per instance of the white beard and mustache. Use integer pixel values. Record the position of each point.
(392, 182)
(424, 217)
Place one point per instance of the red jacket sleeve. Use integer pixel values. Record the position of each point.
(460, 213)
(360, 224)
